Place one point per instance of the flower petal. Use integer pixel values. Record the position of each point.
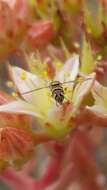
(40, 33)
(10, 119)
(15, 145)
(26, 82)
(100, 95)
(69, 71)
(98, 109)
(81, 90)
(21, 107)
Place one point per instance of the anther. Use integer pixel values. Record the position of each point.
(23, 76)
(45, 74)
(14, 94)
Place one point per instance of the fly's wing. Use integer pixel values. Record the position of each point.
(36, 89)
(69, 91)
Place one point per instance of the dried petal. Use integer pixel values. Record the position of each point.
(15, 144)
(40, 33)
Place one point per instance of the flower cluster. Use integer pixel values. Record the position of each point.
(53, 65)
(54, 123)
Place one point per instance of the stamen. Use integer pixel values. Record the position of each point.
(76, 44)
(99, 57)
(10, 84)
(58, 64)
(14, 94)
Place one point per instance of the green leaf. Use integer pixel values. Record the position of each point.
(93, 21)
(87, 60)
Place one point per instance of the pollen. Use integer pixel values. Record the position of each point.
(45, 74)
(58, 64)
(14, 94)
(23, 76)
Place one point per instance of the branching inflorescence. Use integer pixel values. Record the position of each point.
(53, 98)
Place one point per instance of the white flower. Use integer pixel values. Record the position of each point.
(99, 93)
(53, 119)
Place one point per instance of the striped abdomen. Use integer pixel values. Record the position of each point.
(57, 91)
